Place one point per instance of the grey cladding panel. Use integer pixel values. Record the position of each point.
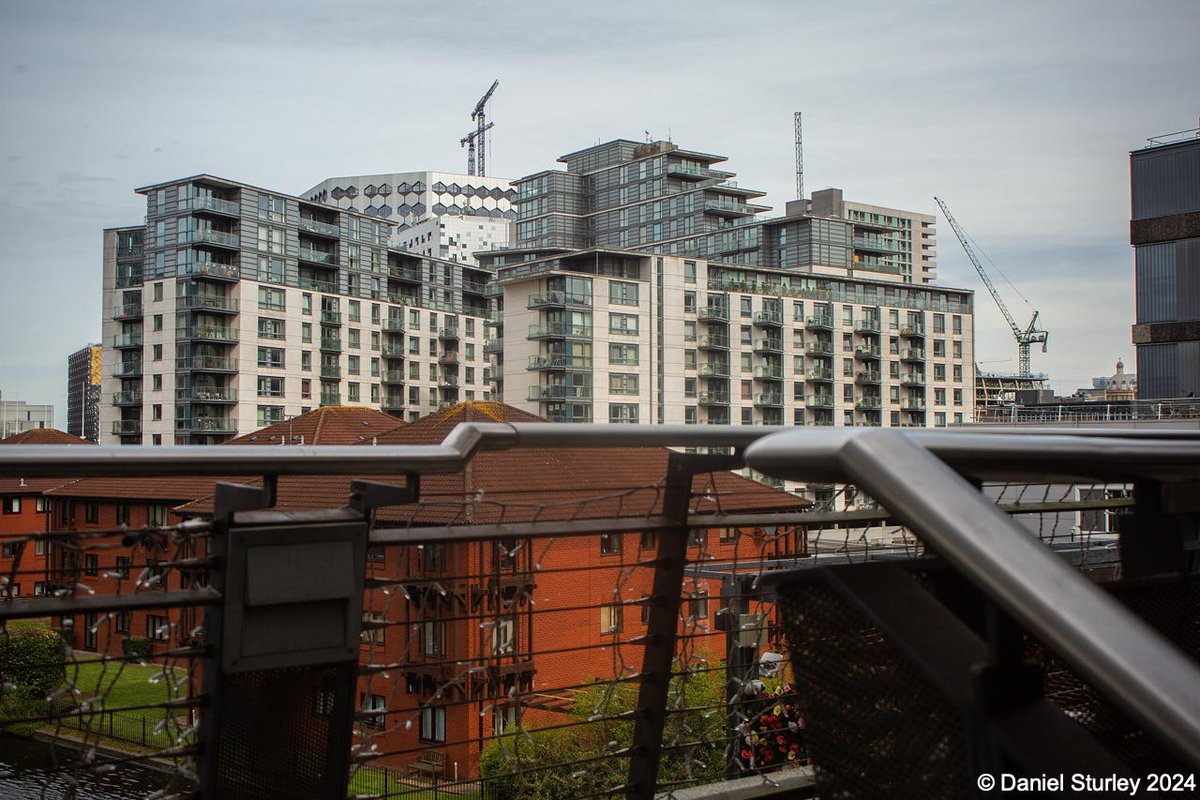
(1188, 363)
(1187, 283)
(1165, 181)
(1155, 277)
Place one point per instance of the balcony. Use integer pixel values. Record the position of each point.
(317, 285)
(713, 398)
(491, 346)
(393, 325)
(129, 398)
(448, 333)
(912, 379)
(127, 427)
(857, 613)
(209, 270)
(394, 351)
(713, 341)
(555, 392)
(820, 375)
(559, 330)
(448, 359)
(914, 404)
(212, 303)
(205, 424)
(311, 255)
(227, 239)
(559, 300)
(207, 333)
(126, 280)
(216, 205)
(713, 314)
(768, 319)
(726, 209)
(392, 401)
(331, 317)
(768, 346)
(129, 311)
(820, 322)
(315, 226)
(405, 273)
(912, 354)
(127, 369)
(331, 372)
(769, 400)
(818, 400)
(913, 331)
(207, 394)
(475, 287)
(331, 344)
(580, 414)
(869, 404)
(868, 377)
(877, 244)
(819, 348)
(867, 353)
(559, 361)
(768, 373)
(714, 370)
(393, 376)
(331, 398)
(123, 341)
(204, 363)
(868, 325)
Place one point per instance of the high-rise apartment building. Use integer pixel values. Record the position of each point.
(658, 197)
(18, 416)
(1165, 234)
(84, 377)
(235, 306)
(439, 214)
(643, 289)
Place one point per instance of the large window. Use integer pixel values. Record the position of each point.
(270, 387)
(433, 724)
(272, 208)
(269, 415)
(433, 638)
(270, 357)
(610, 543)
(621, 293)
(622, 412)
(270, 268)
(610, 619)
(373, 702)
(270, 239)
(623, 383)
(270, 328)
(626, 354)
(158, 628)
(623, 324)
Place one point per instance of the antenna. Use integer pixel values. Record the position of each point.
(799, 155)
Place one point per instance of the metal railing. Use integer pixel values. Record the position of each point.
(667, 554)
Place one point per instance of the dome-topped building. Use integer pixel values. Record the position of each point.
(1121, 385)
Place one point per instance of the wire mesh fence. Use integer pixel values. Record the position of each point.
(504, 638)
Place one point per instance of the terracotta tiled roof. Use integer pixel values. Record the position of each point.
(30, 486)
(45, 436)
(532, 483)
(166, 490)
(325, 425)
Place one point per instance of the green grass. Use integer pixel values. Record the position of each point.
(124, 685)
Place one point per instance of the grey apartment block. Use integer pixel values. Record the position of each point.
(1165, 234)
(235, 307)
(84, 377)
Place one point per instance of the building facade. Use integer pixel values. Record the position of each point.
(439, 214)
(643, 288)
(18, 416)
(1165, 234)
(235, 307)
(84, 377)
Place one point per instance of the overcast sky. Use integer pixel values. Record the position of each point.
(1019, 114)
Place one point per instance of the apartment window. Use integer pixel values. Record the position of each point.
(623, 323)
(123, 513)
(121, 620)
(158, 291)
(689, 331)
(352, 364)
(270, 357)
(156, 412)
(372, 634)
(689, 302)
(623, 413)
(270, 387)
(610, 619)
(156, 383)
(414, 370)
(689, 387)
(158, 322)
(355, 310)
(40, 507)
(156, 515)
(352, 394)
(956, 325)
(270, 268)
(626, 354)
(939, 419)
(305, 304)
(433, 724)
(306, 389)
(746, 306)
(939, 372)
(958, 397)
(122, 567)
(697, 537)
(503, 636)
(698, 606)
(269, 415)
(939, 323)
(433, 638)
(306, 360)
(306, 331)
(374, 392)
(374, 702)
(689, 271)
(956, 349)
(689, 359)
(158, 628)
(270, 328)
(272, 208)
(12, 505)
(610, 544)
(355, 338)
(91, 564)
(621, 293)
(270, 239)
(469, 327)
(91, 512)
(939, 348)
(939, 397)
(271, 299)
(156, 352)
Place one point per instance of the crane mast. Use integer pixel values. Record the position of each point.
(1027, 336)
(479, 137)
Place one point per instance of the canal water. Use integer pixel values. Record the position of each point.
(34, 775)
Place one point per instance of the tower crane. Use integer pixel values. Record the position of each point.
(479, 117)
(1026, 337)
(468, 142)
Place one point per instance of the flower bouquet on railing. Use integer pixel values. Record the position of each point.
(772, 735)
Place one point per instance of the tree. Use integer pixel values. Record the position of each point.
(32, 661)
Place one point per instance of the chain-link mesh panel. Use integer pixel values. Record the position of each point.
(305, 751)
(875, 726)
(1171, 606)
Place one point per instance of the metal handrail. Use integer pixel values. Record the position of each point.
(1146, 675)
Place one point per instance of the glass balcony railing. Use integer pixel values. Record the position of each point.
(315, 256)
(209, 269)
(127, 340)
(310, 225)
(207, 302)
(206, 363)
(544, 393)
(216, 204)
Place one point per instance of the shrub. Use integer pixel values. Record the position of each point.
(32, 659)
(136, 646)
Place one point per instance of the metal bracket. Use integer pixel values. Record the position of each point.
(368, 495)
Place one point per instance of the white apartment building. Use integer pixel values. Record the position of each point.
(234, 307)
(439, 214)
(18, 416)
(618, 336)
